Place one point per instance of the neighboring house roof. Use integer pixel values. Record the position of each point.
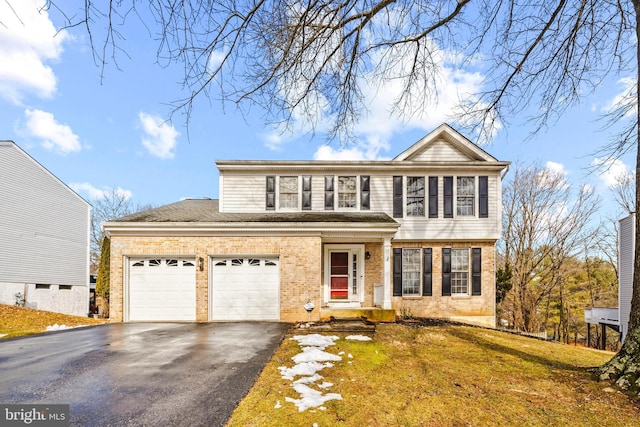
(206, 210)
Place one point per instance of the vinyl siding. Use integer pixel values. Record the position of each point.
(440, 151)
(44, 232)
(625, 270)
(246, 193)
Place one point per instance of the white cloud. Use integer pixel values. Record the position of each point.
(28, 40)
(55, 136)
(557, 168)
(426, 106)
(625, 99)
(99, 193)
(612, 170)
(160, 138)
(369, 149)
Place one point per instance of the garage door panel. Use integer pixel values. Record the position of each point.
(245, 289)
(162, 289)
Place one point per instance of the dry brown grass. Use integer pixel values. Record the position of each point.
(446, 376)
(18, 321)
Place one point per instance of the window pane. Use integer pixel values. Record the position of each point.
(411, 271)
(465, 195)
(288, 192)
(346, 191)
(460, 271)
(415, 196)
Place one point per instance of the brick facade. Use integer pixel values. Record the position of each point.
(301, 274)
(478, 310)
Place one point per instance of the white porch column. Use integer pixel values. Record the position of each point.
(386, 272)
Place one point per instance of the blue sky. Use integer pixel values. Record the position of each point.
(96, 134)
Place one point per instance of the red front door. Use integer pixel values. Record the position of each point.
(339, 275)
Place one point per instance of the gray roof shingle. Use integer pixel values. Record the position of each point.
(206, 210)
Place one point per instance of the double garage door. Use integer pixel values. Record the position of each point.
(241, 288)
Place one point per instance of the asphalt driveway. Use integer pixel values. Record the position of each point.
(140, 374)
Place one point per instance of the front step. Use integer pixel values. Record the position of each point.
(372, 314)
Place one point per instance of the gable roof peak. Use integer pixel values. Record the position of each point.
(444, 141)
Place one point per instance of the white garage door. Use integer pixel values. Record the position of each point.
(245, 289)
(162, 289)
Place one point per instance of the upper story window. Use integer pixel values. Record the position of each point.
(347, 192)
(465, 195)
(415, 196)
(288, 192)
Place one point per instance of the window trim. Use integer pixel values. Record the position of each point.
(296, 192)
(415, 198)
(458, 270)
(418, 273)
(473, 196)
(354, 192)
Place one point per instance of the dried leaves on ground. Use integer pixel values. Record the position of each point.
(444, 375)
(18, 321)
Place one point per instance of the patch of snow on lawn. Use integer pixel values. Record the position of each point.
(310, 398)
(312, 359)
(57, 327)
(314, 354)
(358, 338)
(315, 340)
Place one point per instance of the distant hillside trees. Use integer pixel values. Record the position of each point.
(545, 278)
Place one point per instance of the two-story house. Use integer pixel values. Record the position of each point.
(412, 235)
(44, 237)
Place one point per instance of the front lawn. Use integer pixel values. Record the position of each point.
(435, 376)
(18, 321)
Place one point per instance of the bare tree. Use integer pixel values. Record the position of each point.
(624, 191)
(113, 204)
(315, 59)
(545, 224)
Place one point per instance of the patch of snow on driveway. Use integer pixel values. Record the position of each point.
(57, 327)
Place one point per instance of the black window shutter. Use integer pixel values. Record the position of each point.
(483, 197)
(397, 272)
(364, 193)
(306, 192)
(433, 197)
(426, 272)
(448, 197)
(476, 270)
(446, 271)
(397, 197)
(271, 193)
(328, 192)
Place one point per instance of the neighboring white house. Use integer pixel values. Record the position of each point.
(618, 317)
(44, 237)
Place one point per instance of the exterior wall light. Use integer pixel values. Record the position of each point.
(200, 263)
